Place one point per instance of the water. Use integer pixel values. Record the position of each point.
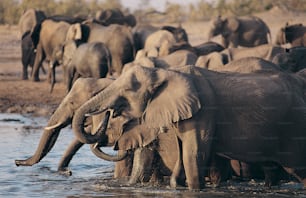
(92, 177)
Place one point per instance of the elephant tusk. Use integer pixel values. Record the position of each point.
(52, 126)
(99, 153)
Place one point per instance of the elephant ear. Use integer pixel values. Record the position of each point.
(232, 24)
(74, 32)
(175, 98)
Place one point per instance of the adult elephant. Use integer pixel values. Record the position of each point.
(29, 19)
(208, 113)
(47, 37)
(292, 60)
(84, 89)
(86, 60)
(248, 31)
(117, 38)
(294, 34)
(115, 16)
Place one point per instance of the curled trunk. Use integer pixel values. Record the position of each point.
(90, 107)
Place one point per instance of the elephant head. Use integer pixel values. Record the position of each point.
(223, 26)
(77, 32)
(146, 98)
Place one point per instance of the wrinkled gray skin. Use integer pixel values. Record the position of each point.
(29, 19)
(115, 16)
(294, 34)
(198, 103)
(246, 31)
(216, 59)
(117, 38)
(86, 60)
(292, 60)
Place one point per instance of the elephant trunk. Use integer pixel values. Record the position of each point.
(46, 142)
(91, 106)
(52, 77)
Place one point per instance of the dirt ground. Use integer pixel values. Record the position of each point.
(27, 97)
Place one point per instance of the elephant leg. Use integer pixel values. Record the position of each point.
(178, 166)
(142, 165)
(123, 168)
(196, 135)
(40, 56)
(74, 146)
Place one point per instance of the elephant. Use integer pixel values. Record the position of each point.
(83, 89)
(86, 60)
(46, 37)
(234, 115)
(248, 65)
(294, 34)
(159, 43)
(27, 22)
(142, 31)
(175, 59)
(216, 59)
(29, 19)
(114, 16)
(246, 31)
(292, 60)
(117, 38)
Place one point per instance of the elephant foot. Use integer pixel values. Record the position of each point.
(173, 182)
(64, 171)
(22, 163)
(25, 78)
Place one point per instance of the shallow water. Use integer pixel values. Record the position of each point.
(91, 176)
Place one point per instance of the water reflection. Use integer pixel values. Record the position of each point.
(91, 176)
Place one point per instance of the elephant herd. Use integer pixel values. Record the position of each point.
(192, 113)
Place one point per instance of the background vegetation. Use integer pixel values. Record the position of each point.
(11, 10)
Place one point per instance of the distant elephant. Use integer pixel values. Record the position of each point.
(46, 37)
(86, 60)
(294, 34)
(208, 113)
(248, 65)
(27, 22)
(178, 58)
(247, 31)
(143, 31)
(114, 16)
(117, 38)
(159, 43)
(216, 59)
(293, 59)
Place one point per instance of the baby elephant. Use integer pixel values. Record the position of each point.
(88, 60)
